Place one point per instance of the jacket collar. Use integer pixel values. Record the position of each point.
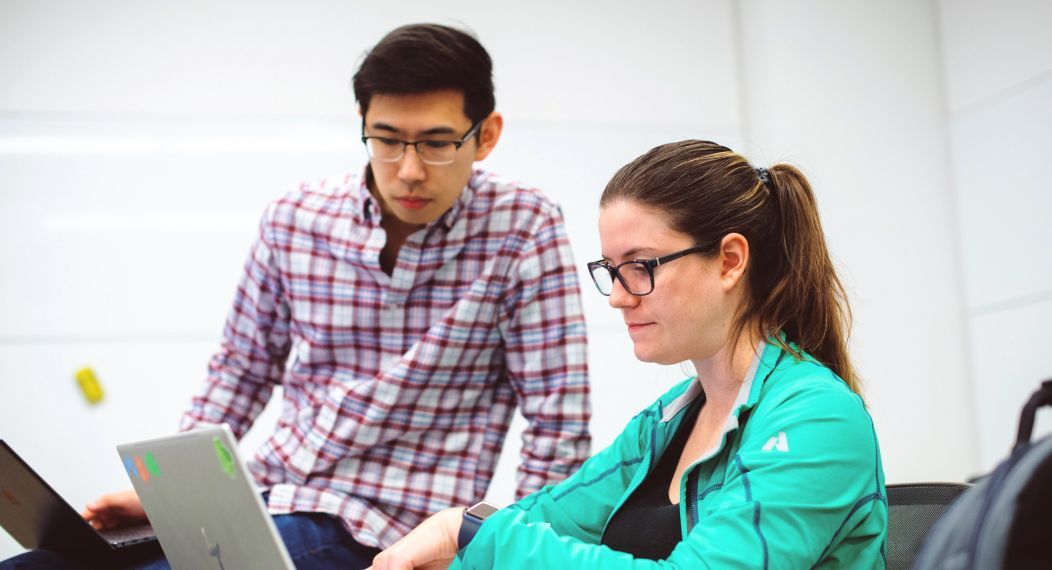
(768, 355)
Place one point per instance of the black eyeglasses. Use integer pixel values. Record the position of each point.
(433, 152)
(636, 276)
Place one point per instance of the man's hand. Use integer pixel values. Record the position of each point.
(433, 544)
(115, 510)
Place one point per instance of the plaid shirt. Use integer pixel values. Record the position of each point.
(398, 390)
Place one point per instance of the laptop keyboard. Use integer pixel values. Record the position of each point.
(129, 535)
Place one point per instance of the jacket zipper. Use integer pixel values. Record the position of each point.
(692, 498)
(648, 462)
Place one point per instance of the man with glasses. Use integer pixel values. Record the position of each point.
(406, 311)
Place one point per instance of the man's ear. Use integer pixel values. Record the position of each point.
(734, 257)
(489, 134)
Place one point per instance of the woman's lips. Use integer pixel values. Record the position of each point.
(413, 203)
(634, 327)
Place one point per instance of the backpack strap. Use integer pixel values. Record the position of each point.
(1042, 397)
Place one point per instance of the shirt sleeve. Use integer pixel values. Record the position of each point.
(775, 509)
(255, 345)
(546, 354)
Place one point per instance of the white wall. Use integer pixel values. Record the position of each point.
(139, 143)
(852, 91)
(998, 76)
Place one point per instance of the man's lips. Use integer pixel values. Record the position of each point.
(637, 326)
(413, 203)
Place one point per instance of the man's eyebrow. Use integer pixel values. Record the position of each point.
(441, 130)
(384, 127)
(438, 131)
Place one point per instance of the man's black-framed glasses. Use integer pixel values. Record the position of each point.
(433, 152)
(636, 276)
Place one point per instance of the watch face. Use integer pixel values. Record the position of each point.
(482, 510)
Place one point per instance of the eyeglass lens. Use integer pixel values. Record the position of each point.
(390, 150)
(634, 275)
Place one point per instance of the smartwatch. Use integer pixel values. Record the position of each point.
(473, 519)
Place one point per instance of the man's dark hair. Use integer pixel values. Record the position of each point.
(420, 58)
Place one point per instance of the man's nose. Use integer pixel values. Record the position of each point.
(411, 168)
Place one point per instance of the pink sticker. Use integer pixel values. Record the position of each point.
(143, 471)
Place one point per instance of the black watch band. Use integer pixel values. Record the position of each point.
(473, 518)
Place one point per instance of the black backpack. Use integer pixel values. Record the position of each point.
(1005, 521)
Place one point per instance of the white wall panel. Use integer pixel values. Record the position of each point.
(1011, 358)
(1001, 161)
(852, 92)
(554, 61)
(998, 63)
(989, 48)
(124, 226)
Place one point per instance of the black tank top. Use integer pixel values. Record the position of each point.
(648, 525)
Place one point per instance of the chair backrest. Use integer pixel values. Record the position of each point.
(913, 509)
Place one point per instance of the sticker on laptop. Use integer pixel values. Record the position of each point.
(130, 467)
(151, 464)
(226, 459)
(140, 466)
(144, 466)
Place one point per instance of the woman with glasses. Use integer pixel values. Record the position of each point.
(767, 458)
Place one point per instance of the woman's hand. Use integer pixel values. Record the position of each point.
(115, 510)
(433, 544)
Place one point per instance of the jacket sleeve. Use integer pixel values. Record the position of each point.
(546, 357)
(775, 509)
(560, 526)
(255, 345)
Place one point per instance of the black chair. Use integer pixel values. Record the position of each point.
(913, 509)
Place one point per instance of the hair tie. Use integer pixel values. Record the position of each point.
(765, 176)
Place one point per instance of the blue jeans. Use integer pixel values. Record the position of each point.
(314, 540)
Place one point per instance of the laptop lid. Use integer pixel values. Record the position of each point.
(38, 517)
(202, 503)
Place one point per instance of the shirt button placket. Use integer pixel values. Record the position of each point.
(392, 320)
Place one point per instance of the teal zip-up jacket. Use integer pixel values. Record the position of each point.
(795, 482)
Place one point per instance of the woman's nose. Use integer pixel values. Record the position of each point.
(620, 297)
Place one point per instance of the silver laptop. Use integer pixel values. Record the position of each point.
(38, 517)
(202, 503)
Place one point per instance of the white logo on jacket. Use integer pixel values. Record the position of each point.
(778, 443)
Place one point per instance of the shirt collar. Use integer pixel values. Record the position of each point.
(369, 207)
(449, 219)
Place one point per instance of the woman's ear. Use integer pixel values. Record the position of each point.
(489, 134)
(734, 257)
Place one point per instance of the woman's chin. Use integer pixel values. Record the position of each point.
(654, 356)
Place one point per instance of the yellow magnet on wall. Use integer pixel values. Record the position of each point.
(89, 385)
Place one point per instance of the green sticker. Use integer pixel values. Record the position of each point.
(226, 459)
(151, 464)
